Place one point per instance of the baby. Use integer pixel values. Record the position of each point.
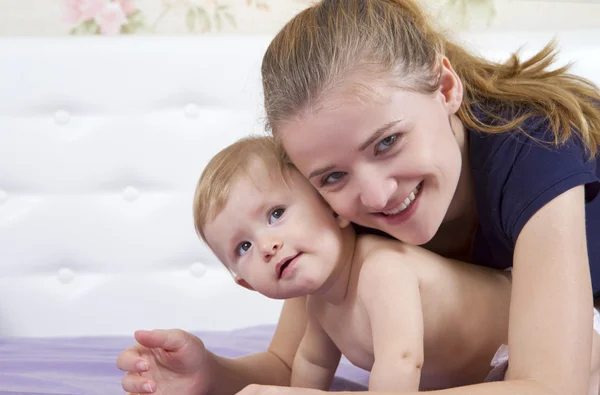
(413, 319)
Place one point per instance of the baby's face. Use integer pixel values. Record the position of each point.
(281, 239)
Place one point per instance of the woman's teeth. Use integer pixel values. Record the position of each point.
(406, 203)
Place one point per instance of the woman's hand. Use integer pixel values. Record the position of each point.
(176, 362)
(166, 362)
(255, 389)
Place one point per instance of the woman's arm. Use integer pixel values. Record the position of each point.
(550, 328)
(272, 367)
(175, 362)
(317, 358)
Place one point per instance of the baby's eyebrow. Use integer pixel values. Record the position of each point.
(259, 209)
(231, 244)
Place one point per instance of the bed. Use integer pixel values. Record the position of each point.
(101, 143)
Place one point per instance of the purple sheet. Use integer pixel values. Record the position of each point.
(86, 365)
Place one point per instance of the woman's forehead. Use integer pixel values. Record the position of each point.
(345, 124)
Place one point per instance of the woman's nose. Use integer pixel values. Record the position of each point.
(375, 192)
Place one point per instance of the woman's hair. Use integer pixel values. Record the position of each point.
(323, 45)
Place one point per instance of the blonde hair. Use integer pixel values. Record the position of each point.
(214, 185)
(333, 39)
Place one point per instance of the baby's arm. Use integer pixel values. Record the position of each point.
(317, 358)
(390, 293)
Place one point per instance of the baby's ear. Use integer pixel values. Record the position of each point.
(342, 222)
(240, 281)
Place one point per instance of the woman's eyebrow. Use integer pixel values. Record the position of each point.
(377, 134)
(362, 147)
(320, 171)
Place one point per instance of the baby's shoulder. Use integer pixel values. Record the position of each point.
(382, 260)
(371, 247)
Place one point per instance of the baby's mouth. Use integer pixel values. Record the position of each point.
(282, 265)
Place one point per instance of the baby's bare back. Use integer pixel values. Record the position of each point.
(465, 315)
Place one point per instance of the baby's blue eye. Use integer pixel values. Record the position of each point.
(386, 143)
(243, 247)
(276, 214)
(333, 177)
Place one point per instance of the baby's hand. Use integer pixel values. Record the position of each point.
(166, 362)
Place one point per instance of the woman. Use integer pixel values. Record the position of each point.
(371, 102)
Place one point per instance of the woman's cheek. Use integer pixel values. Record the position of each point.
(340, 203)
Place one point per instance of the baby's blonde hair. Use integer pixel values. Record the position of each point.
(214, 185)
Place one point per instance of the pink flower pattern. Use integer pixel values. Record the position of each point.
(82, 10)
(111, 18)
(106, 16)
(127, 6)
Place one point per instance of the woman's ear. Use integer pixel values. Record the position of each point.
(451, 87)
(342, 221)
(240, 281)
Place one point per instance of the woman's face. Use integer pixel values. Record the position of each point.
(391, 162)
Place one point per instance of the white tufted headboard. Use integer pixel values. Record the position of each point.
(101, 144)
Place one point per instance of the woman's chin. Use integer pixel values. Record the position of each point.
(416, 238)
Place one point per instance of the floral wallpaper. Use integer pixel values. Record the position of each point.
(166, 17)
(112, 17)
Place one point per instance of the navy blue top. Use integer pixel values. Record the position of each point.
(515, 175)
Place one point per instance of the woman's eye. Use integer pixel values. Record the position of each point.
(276, 214)
(333, 177)
(385, 144)
(243, 247)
